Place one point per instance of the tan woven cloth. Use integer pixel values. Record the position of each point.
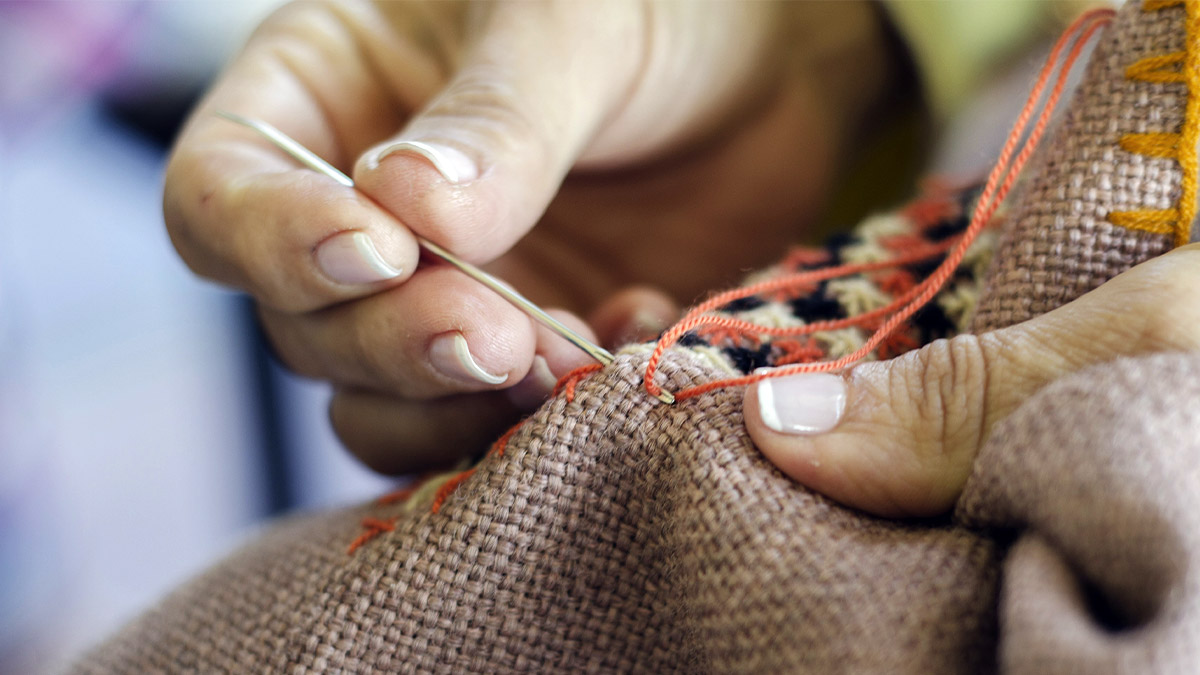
(1061, 243)
(617, 534)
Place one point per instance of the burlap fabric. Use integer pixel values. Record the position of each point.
(1062, 243)
(618, 534)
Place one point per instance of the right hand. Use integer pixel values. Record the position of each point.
(690, 122)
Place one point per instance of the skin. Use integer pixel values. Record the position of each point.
(604, 142)
(656, 121)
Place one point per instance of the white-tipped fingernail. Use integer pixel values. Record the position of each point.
(808, 403)
(351, 258)
(450, 354)
(453, 164)
(534, 388)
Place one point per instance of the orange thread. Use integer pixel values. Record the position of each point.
(1153, 145)
(796, 351)
(801, 257)
(449, 487)
(374, 528)
(999, 182)
(926, 212)
(567, 382)
(501, 443)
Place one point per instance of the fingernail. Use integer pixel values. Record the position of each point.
(453, 164)
(809, 403)
(351, 258)
(534, 388)
(450, 354)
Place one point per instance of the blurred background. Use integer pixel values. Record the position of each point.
(143, 431)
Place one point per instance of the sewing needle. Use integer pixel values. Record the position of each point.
(313, 161)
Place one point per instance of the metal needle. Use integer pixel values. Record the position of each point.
(313, 161)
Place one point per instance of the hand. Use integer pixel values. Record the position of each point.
(898, 437)
(687, 124)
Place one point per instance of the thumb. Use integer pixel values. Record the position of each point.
(899, 437)
(476, 167)
(895, 438)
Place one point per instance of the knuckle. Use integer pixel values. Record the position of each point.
(948, 385)
(485, 103)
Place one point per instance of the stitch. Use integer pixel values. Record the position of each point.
(796, 351)
(803, 257)
(1157, 222)
(374, 528)
(999, 183)
(1153, 5)
(1152, 144)
(895, 282)
(897, 343)
(1159, 68)
(448, 488)
(566, 384)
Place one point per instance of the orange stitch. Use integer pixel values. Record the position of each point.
(501, 443)
(397, 496)
(1153, 144)
(895, 282)
(1157, 222)
(374, 528)
(796, 351)
(936, 208)
(1158, 68)
(999, 183)
(799, 257)
(450, 486)
(717, 335)
(898, 342)
(1154, 5)
(566, 384)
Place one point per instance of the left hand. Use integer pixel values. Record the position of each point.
(898, 438)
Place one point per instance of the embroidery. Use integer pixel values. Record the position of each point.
(1183, 66)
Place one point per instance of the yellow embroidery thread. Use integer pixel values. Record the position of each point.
(1151, 5)
(1183, 67)
(1154, 145)
(1157, 68)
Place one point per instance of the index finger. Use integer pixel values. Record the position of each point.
(240, 211)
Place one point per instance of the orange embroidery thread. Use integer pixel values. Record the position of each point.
(374, 527)
(999, 182)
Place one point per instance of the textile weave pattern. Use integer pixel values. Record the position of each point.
(1061, 244)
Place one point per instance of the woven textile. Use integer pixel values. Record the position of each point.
(614, 533)
(1063, 241)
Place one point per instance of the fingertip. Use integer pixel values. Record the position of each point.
(351, 258)
(436, 192)
(469, 338)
